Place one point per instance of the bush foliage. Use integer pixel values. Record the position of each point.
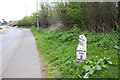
(95, 16)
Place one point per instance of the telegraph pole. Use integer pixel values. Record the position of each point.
(26, 9)
(37, 15)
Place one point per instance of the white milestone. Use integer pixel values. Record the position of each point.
(81, 49)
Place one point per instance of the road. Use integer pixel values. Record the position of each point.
(0, 58)
(20, 56)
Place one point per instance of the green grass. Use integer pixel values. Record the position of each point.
(58, 50)
(27, 27)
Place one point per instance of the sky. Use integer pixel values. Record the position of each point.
(12, 10)
(16, 9)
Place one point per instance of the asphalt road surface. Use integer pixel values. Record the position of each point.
(0, 58)
(20, 56)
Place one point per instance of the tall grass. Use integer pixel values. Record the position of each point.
(58, 49)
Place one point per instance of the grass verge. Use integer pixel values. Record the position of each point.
(58, 49)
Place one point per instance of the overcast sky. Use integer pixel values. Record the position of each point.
(16, 9)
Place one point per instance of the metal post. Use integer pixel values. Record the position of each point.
(37, 23)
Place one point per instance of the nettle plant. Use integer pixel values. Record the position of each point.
(90, 66)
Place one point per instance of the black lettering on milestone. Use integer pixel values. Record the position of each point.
(82, 39)
(81, 56)
(81, 53)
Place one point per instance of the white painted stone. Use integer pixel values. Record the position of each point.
(81, 49)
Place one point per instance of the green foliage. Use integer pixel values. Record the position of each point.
(117, 47)
(100, 17)
(58, 49)
(71, 13)
(96, 64)
(95, 17)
